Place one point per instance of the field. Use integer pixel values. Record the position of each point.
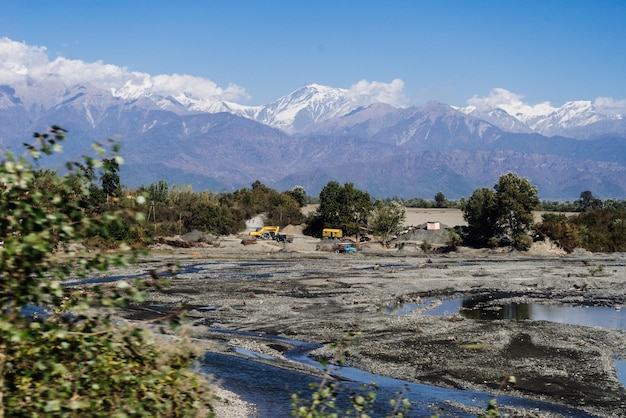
(418, 216)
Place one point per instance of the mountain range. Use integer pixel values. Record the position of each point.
(319, 133)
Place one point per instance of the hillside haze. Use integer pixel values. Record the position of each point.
(319, 133)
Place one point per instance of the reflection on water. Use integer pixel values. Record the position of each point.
(620, 367)
(486, 308)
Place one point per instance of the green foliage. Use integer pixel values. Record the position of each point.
(454, 240)
(280, 208)
(387, 219)
(75, 361)
(90, 367)
(558, 206)
(110, 180)
(558, 228)
(588, 202)
(505, 211)
(601, 230)
(157, 193)
(440, 200)
(299, 194)
(492, 408)
(183, 210)
(596, 270)
(344, 207)
(516, 200)
(598, 230)
(178, 210)
(480, 212)
(283, 210)
(326, 394)
(522, 241)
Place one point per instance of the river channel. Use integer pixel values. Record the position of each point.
(270, 388)
(451, 358)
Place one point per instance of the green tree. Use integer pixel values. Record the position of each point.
(329, 210)
(480, 212)
(557, 227)
(387, 219)
(110, 180)
(588, 202)
(75, 360)
(283, 210)
(516, 200)
(344, 207)
(256, 200)
(601, 230)
(299, 194)
(157, 192)
(505, 211)
(440, 200)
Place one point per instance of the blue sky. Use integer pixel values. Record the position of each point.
(443, 50)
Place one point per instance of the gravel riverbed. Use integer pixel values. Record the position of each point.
(298, 292)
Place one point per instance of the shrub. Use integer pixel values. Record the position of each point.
(75, 361)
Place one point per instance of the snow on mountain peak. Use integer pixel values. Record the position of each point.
(543, 117)
(510, 102)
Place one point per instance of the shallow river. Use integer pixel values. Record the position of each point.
(270, 388)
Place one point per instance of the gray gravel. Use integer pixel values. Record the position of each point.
(318, 297)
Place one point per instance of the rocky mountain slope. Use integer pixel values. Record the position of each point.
(319, 133)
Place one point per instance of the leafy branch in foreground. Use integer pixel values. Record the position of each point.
(74, 359)
(492, 408)
(324, 402)
(325, 396)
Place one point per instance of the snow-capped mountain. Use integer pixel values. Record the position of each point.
(311, 107)
(388, 150)
(306, 107)
(299, 111)
(576, 119)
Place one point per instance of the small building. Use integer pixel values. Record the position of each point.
(433, 226)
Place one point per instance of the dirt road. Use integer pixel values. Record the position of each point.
(318, 296)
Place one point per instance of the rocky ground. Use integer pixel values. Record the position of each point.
(303, 292)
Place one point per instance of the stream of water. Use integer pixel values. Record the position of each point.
(270, 387)
(476, 308)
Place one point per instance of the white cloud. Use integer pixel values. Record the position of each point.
(17, 59)
(198, 87)
(608, 106)
(20, 62)
(366, 93)
(511, 102)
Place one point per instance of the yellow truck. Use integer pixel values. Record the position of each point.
(266, 232)
(332, 233)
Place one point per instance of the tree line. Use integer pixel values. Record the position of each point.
(501, 216)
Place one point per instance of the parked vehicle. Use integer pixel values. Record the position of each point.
(284, 238)
(344, 248)
(266, 232)
(332, 233)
